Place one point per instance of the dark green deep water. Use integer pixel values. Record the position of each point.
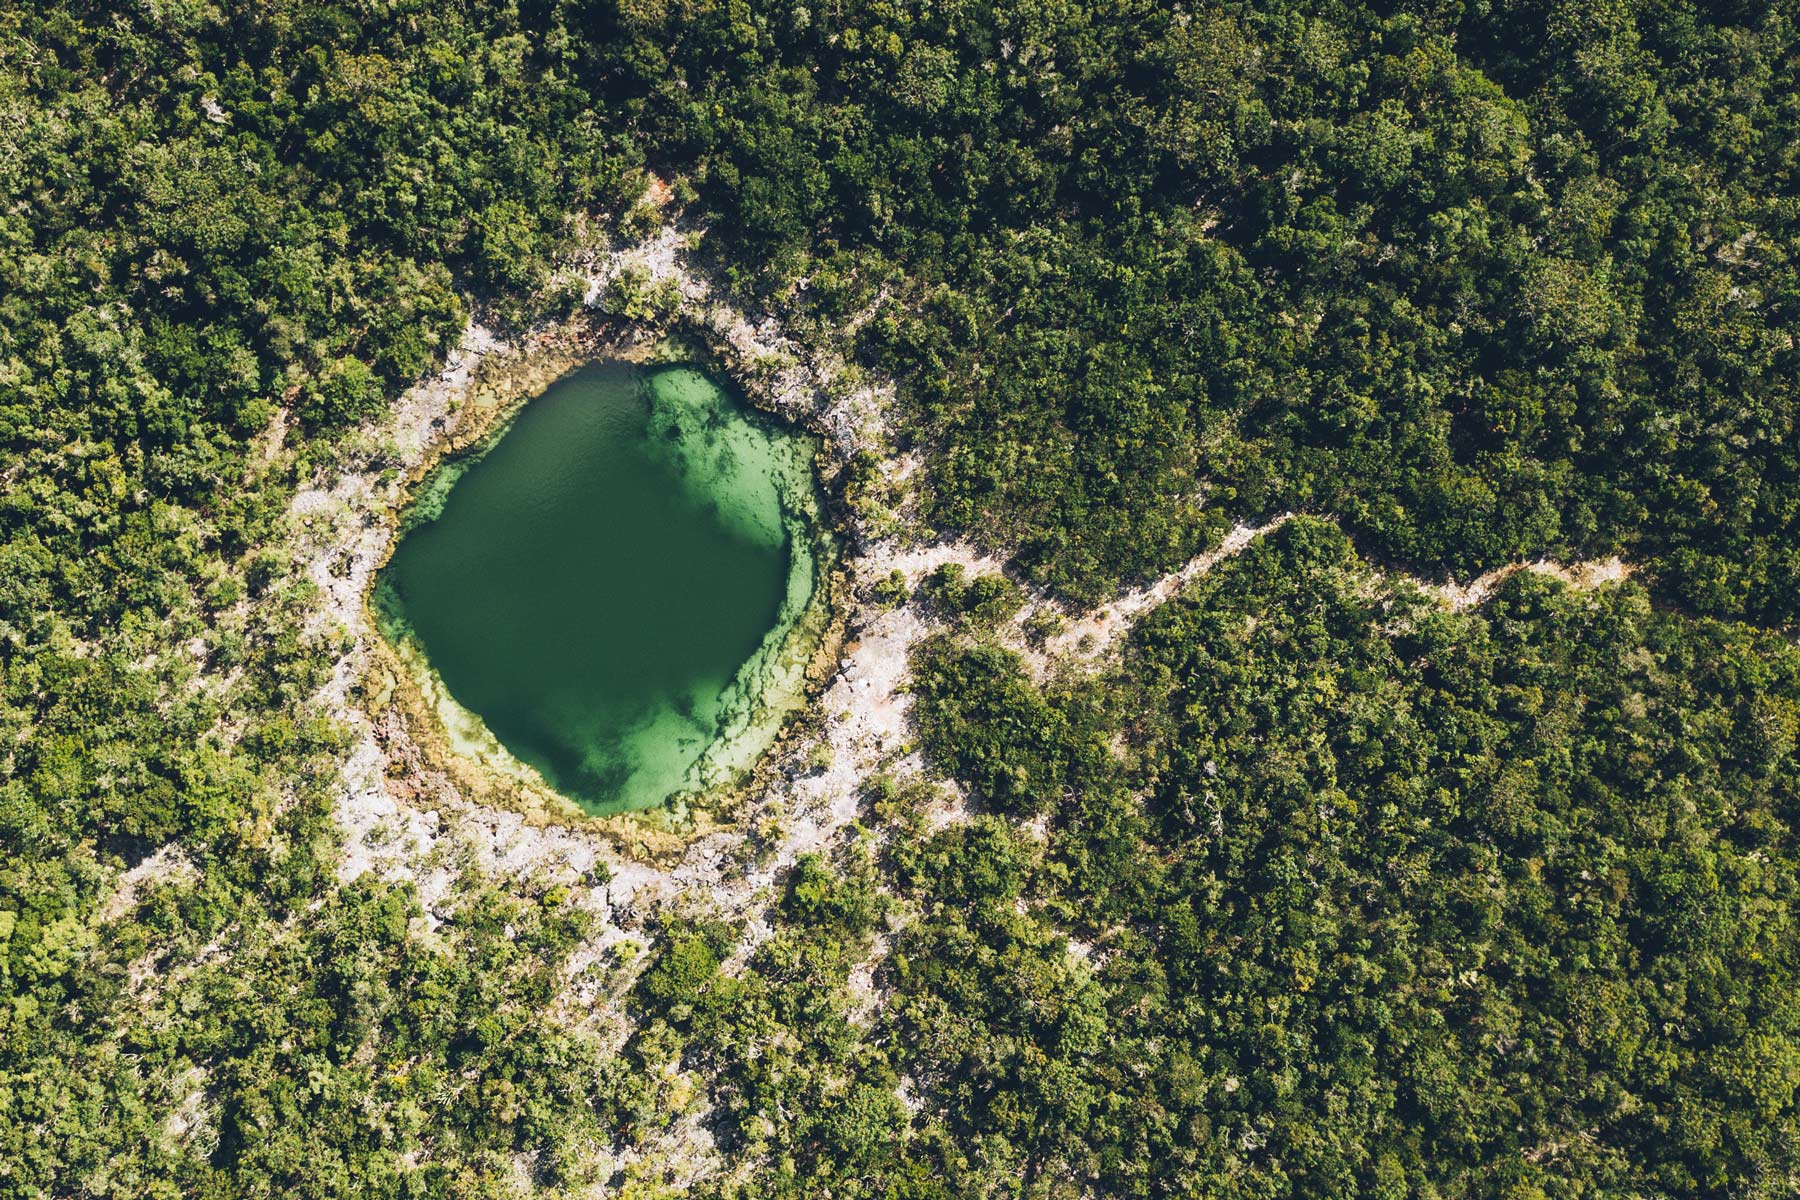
(618, 588)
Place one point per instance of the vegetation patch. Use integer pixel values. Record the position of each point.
(1182, 844)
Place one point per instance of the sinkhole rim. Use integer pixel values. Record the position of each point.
(457, 742)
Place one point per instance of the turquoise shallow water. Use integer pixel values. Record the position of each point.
(618, 591)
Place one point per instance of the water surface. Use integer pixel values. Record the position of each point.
(616, 590)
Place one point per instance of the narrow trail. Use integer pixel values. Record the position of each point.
(1088, 637)
(1580, 575)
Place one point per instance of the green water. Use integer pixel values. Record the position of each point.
(617, 592)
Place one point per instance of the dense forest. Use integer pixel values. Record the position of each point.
(1321, 889)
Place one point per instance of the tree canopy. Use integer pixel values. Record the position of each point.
(1323, 889)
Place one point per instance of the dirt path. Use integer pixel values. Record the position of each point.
(1581, 576)
(1088, 637)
